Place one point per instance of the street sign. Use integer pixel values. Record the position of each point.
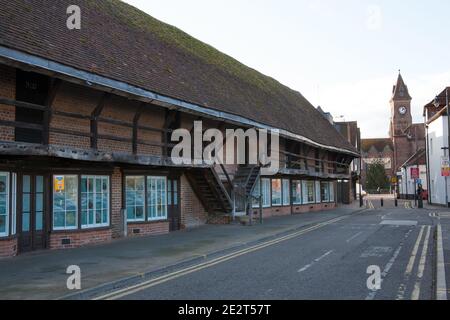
(445, 166)
(419, 181)
(415, 173)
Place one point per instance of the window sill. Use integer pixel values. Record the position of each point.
(147, 222)
(83, 230)
(10, 237)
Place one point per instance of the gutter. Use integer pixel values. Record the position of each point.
(111, 84)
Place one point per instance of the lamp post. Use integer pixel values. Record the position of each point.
(437, 104)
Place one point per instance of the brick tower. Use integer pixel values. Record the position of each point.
(401, 122)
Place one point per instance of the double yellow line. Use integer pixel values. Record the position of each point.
(171, 276)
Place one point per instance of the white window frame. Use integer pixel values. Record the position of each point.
(65, 212)
(96, 225)
(281, 193)
(286, 194)
(149, 197)
(13, 205)
(318, 193)
(145, 198)
(301, 192)
(7, 208)
(331, 192)
(305, 191)
(327, 185)
(266, 192)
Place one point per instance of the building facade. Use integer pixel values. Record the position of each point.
(437, 136)
(86, 131)
(405, 138)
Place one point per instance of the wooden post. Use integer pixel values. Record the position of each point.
(94, 120)
(54, 86)
(136, 118)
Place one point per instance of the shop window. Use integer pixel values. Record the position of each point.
(266, 192)
(286, 193)
(331, 192)
(308, 192)
(157, 198)
(94, 201)
(135, 198)
(324, 191)
(276, 192)
(4, 204)
(296, 191)
(65, 202)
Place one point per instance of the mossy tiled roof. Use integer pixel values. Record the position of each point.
(123, 43)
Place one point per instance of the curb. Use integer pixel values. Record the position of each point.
(441, 284)
(129, 281)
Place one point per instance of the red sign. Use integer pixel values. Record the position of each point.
(415, 173)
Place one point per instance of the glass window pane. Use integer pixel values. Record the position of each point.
(2, 223)
(65, 203)
(39, 184)
(25, 221)
(26, 184)
(39, 220)
(276, 192)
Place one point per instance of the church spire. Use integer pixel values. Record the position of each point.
(400, 90)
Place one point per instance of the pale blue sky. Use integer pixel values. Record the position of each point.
(341, 54)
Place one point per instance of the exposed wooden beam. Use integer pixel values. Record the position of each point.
(54, 87)
(94, 120)
(136, 118)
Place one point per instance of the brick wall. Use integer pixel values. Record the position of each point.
(192, 212)
(79, 239)
(7, 90)
(147, 229)
(8, 248)
(116, 204)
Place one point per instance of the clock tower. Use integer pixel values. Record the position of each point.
(401, 118)
(401, 122)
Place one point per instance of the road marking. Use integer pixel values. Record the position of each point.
(355, 236)
(385, 272)
(398, 223)
(315, 261)
(389, 265)
(171, 276)
(423, 260)
(441, 284)
(410, 266)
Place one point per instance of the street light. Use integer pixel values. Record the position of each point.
(437, 104)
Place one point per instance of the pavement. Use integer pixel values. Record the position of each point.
(42, 275)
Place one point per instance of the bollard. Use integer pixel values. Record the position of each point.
(382, 202)
(420, 203)
(396, 202)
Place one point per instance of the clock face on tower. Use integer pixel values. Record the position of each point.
(402, 110)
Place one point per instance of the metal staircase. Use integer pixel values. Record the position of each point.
(244, 184)
(210, 190)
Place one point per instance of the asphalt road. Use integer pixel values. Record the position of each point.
(327, 262)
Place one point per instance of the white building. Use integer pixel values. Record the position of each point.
(437, 147)
(408, 183)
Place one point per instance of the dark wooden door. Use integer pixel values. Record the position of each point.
(173, 202)
(32, 212)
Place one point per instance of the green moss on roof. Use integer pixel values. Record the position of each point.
(141, 21)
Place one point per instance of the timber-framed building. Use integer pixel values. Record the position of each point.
(86, 118)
